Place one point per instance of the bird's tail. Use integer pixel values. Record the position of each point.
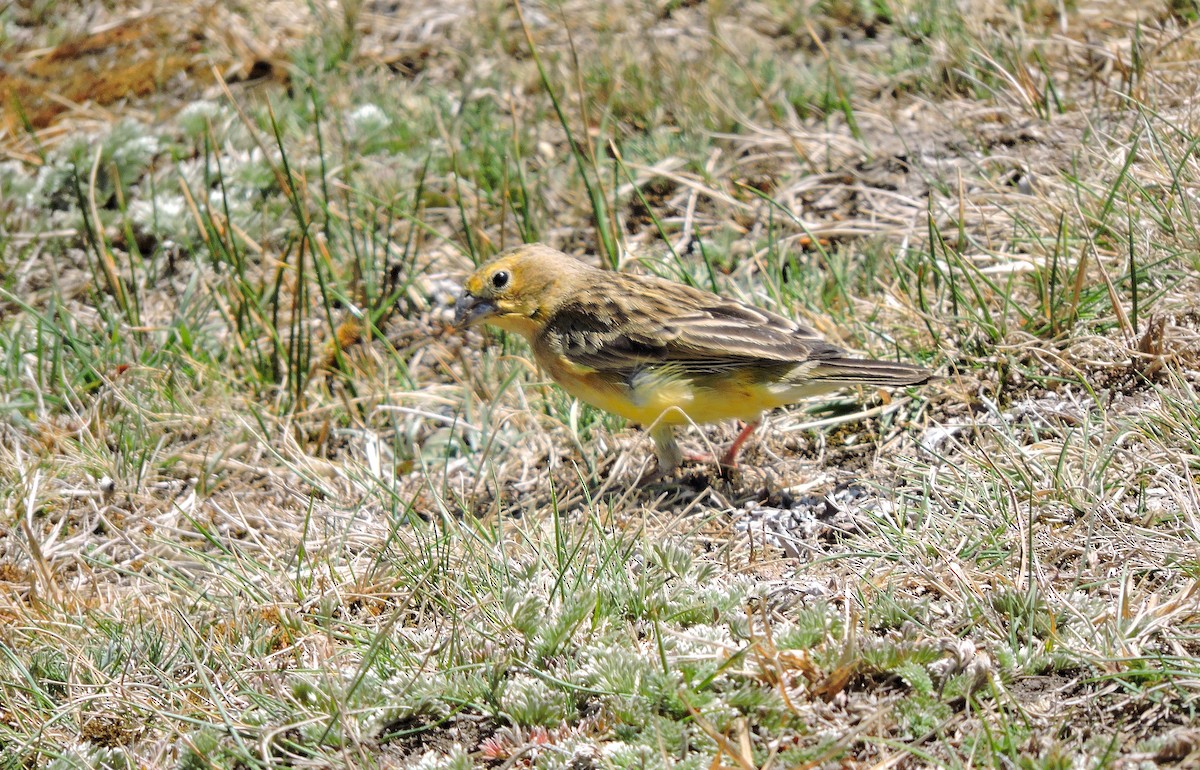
(867, 371)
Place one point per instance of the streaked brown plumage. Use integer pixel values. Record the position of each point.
(657, 352)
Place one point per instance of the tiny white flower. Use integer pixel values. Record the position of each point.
(195, 117)
(367, 119)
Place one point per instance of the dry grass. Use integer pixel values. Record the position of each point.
(263, 507)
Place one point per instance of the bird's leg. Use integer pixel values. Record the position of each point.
(729, 459)
(666, 448)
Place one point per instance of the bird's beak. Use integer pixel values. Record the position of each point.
(470, 310)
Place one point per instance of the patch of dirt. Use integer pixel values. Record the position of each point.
(412, 736)
(134, 58)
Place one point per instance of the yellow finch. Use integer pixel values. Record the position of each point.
(657, 352)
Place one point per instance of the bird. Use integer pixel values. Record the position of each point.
(657, 352)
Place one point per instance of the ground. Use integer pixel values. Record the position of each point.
(263, 506)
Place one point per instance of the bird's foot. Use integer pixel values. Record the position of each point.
(703, 458)
(653, 475)
(727, 461)
(724, 466)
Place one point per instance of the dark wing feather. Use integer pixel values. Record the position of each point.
(596, 341)
(635, 322)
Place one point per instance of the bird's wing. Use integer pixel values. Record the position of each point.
(634, 324)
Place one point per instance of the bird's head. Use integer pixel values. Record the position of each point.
(516, 290)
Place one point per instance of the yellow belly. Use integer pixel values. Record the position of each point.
(666, 399)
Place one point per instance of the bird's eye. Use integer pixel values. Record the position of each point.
(500, 279)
